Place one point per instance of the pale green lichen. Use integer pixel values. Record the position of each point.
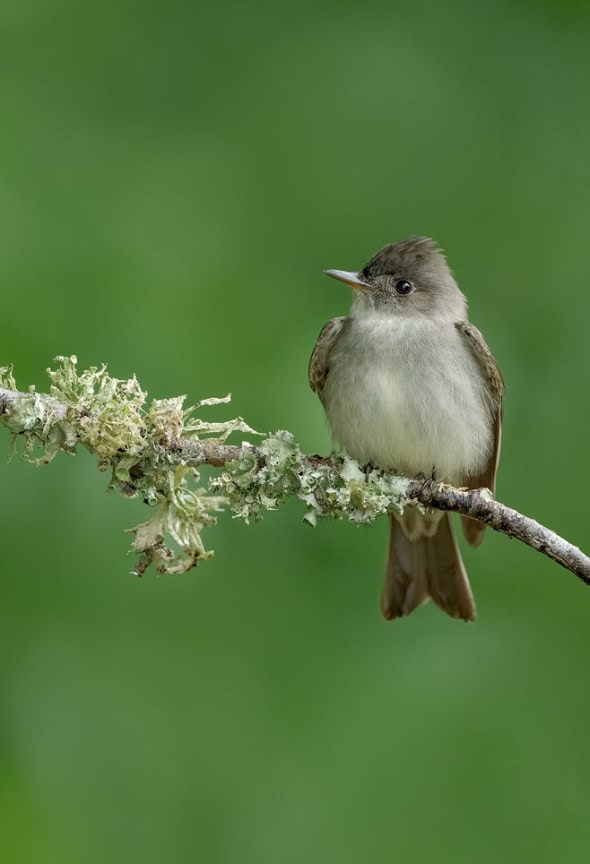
(108, 411)
(7, 378)
(180, 517)
(110, 417)
(328, 490)
(142, 444)
(166, 419)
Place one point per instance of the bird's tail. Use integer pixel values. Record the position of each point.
(426, 567)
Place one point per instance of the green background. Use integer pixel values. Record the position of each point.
(173, 179)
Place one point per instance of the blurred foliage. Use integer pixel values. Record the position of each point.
(173, 178)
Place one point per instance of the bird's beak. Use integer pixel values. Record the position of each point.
(352, 279)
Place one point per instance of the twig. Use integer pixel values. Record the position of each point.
(9, 397)
(478, 505)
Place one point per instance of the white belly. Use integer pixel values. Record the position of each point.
(408, 396)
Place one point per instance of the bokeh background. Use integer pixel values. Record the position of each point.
(173, 179)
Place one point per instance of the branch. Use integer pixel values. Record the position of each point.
(479, 505)
(156, 452)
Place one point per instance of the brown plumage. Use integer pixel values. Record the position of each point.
(486, 478)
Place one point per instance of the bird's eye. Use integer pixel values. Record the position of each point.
(402, 286)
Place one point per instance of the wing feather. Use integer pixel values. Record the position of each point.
(487, 477)
(319, 363)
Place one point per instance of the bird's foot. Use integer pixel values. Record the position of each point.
(427, 482)
(367, 469)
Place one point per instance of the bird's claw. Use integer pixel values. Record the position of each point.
(367, 469)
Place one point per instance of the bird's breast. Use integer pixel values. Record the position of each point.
(408, 395)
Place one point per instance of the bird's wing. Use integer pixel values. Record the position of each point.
(319, 362)
(487, 476)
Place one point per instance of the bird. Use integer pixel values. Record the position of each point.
(409, 385)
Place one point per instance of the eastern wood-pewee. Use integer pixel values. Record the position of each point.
(409, 385)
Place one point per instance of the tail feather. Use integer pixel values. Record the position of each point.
(406, 585)
(426, 567)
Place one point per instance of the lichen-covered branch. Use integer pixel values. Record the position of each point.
(154, 450)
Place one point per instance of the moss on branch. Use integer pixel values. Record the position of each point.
(154, 449)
